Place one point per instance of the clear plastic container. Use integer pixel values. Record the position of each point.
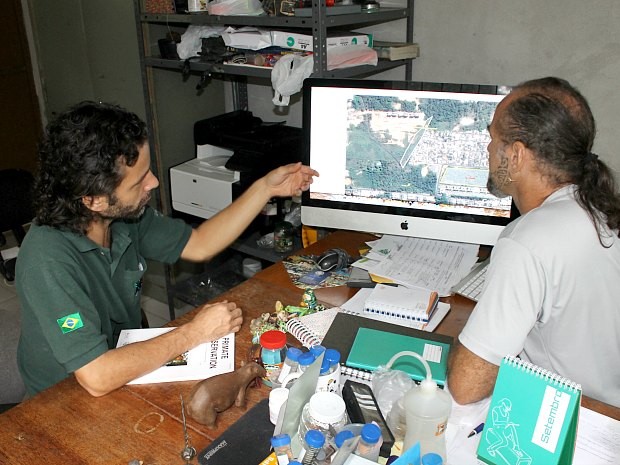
(273, 353)
(325, 409)
(283, 237)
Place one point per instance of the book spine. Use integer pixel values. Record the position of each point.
(396, 312)
(301, 333)
(408, 323)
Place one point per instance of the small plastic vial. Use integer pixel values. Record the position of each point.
(313, 442)
(370, 442)
(273, 353)
(290, 364)
(281, 444)
(305, 360)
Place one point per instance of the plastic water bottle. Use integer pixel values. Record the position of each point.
(426, 409)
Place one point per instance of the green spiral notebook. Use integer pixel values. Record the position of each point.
(532, 417)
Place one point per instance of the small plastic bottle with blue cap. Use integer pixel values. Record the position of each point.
(305, 360)
(291, 363)
(317, 350)
(342, 436)
(329, 377)
(370, 442)
(313, 442)
(281, 444)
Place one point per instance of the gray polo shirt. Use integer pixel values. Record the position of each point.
(76, 296)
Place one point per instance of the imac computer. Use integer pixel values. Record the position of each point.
(402, 158)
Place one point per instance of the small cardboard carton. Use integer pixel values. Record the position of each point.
(288, 39)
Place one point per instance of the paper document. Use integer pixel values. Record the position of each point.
(598, 439)
(429, 264)
(201, 362)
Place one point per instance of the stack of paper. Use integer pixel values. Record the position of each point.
(423, 263)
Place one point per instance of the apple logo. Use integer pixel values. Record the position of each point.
(404, 226)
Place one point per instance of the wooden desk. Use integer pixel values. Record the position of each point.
(65, 425)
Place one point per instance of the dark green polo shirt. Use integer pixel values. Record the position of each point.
(76, 297)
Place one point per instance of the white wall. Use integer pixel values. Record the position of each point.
(506, 42)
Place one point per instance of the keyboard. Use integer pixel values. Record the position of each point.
(471, 285)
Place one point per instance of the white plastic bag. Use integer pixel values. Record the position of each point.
(389, 387)
(288, 76)
(191, 43)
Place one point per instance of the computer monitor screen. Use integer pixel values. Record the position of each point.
(403, 158)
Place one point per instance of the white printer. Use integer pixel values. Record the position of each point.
(203, 186)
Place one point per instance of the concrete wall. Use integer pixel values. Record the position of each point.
(506, 42)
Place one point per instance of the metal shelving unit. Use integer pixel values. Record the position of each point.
(317, 24)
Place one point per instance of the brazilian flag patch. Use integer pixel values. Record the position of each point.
(70, 323)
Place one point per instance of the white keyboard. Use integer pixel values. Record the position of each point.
(471, 285)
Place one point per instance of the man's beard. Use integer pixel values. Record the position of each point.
(493, 188)
(499, 177)
(129, 212)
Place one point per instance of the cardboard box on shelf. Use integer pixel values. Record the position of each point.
(298, 41)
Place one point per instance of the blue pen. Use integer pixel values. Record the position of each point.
(477, 430)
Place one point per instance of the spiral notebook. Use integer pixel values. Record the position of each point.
(532, 417)
(311, 329)
(408, 304)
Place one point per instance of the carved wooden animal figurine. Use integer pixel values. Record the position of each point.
(214, 395)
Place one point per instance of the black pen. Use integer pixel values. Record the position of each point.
(477, 430)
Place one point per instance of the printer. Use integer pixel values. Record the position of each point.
(232, 151)
(203, 186)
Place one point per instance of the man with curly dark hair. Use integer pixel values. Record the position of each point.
(551, 292)
(81, 264)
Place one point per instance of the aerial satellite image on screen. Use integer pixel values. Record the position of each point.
(423, 153)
